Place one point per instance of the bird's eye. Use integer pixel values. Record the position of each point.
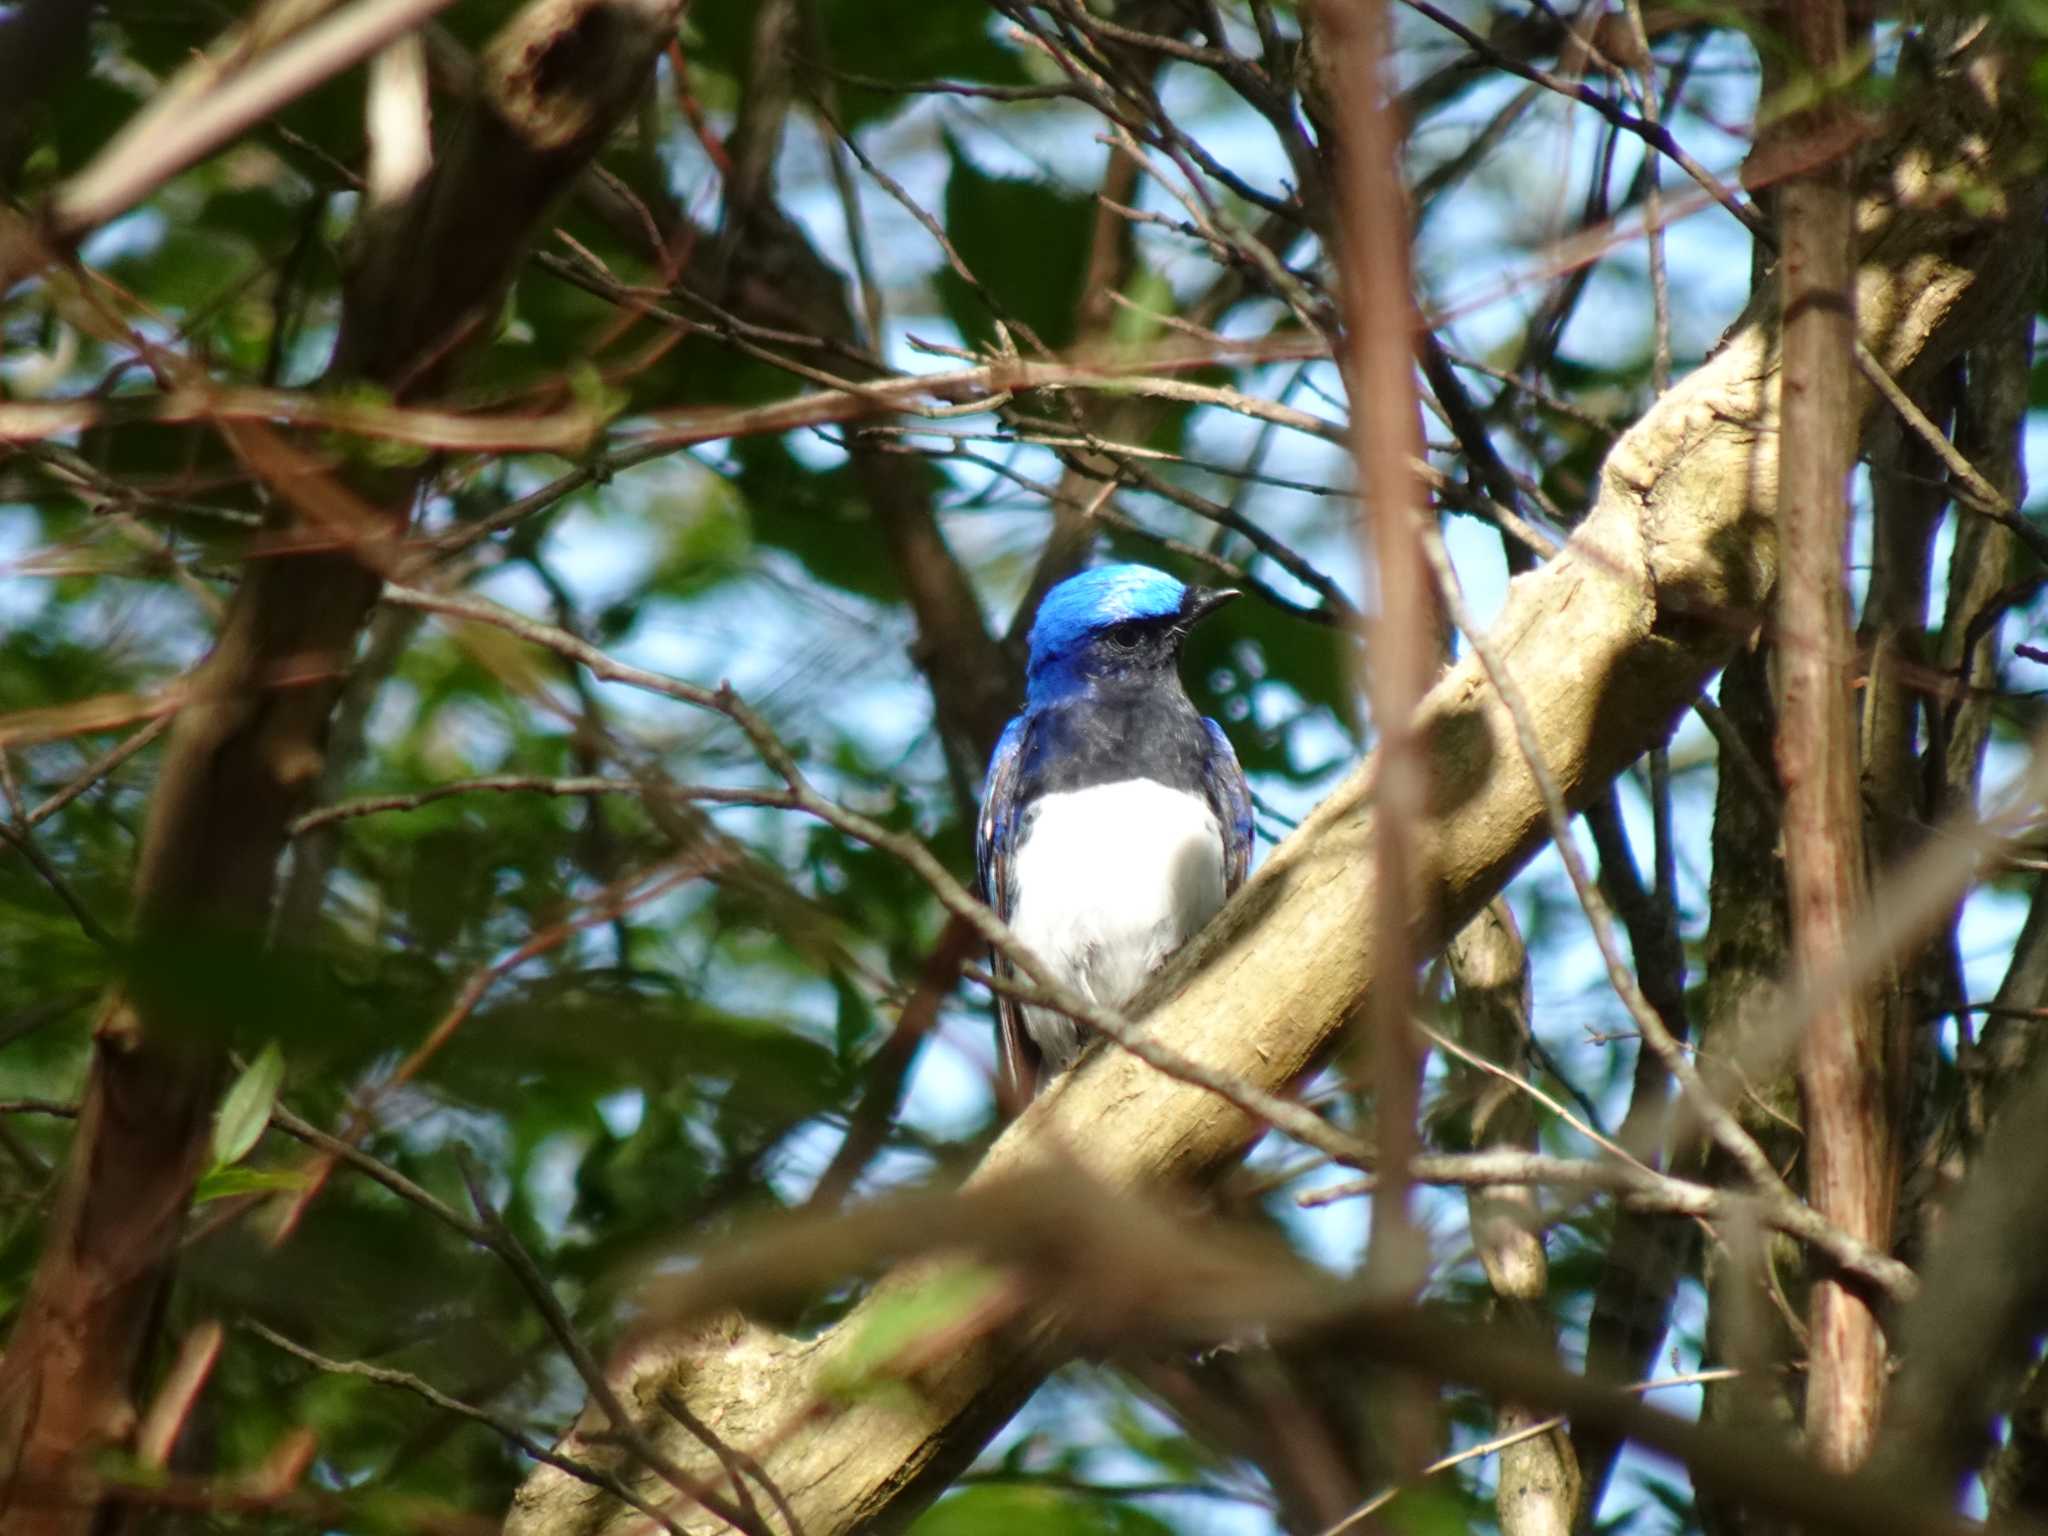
(1125, 637)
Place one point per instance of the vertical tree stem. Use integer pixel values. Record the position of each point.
(1841, 1069)
(1378, 358)
(1377, 355)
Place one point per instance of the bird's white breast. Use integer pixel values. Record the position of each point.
(1106, 882)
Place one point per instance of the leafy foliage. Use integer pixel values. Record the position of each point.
(568, 931)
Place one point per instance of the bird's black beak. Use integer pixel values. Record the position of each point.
(1203, 601)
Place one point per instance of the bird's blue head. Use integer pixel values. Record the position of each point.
(1121, 621)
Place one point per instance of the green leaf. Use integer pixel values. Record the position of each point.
(222, 1183)
(1141, 322)
(1037, 279)
(246, 1109)
(819, 515)
(900, 1318)
(880, 40)
(1028, 1507)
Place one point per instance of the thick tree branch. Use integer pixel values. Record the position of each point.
(1675, 562)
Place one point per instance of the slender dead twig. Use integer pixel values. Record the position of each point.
(623, 1426)
(497, 1423)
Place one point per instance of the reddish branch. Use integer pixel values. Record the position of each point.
(1386, 437)
(1841, 1069)
(1377, 303)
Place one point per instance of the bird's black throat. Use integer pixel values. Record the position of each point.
(1134, 728)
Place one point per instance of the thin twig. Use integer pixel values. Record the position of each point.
(1778, 1199)
(507, 1247)
(510, 1432)
(98, 769)
(1380, 1501)
(516, 783)
(53, 877)
(1523, 1085)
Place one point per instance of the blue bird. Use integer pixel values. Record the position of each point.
(1116, 819)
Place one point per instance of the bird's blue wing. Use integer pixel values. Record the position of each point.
(1231, 798)
(992, 835)
(994, 843)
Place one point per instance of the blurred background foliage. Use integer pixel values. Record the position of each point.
(658, 1070)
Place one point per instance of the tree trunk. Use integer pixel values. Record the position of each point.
(250, 743)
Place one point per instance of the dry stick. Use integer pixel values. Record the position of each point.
(1842, 1072)
(510, 1432)
(598, 472)
(98, 769)
(601, 666)
(1380, 320)
(935, 396)
(1495, 1069)
(932, 227)
(157, 146)
(1975, 488)
(507, 1247)
(1381, 1500)
(516, 783)
(1638, 1186)
(738, 1465)
(1662, 1193)
(1209, 224)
